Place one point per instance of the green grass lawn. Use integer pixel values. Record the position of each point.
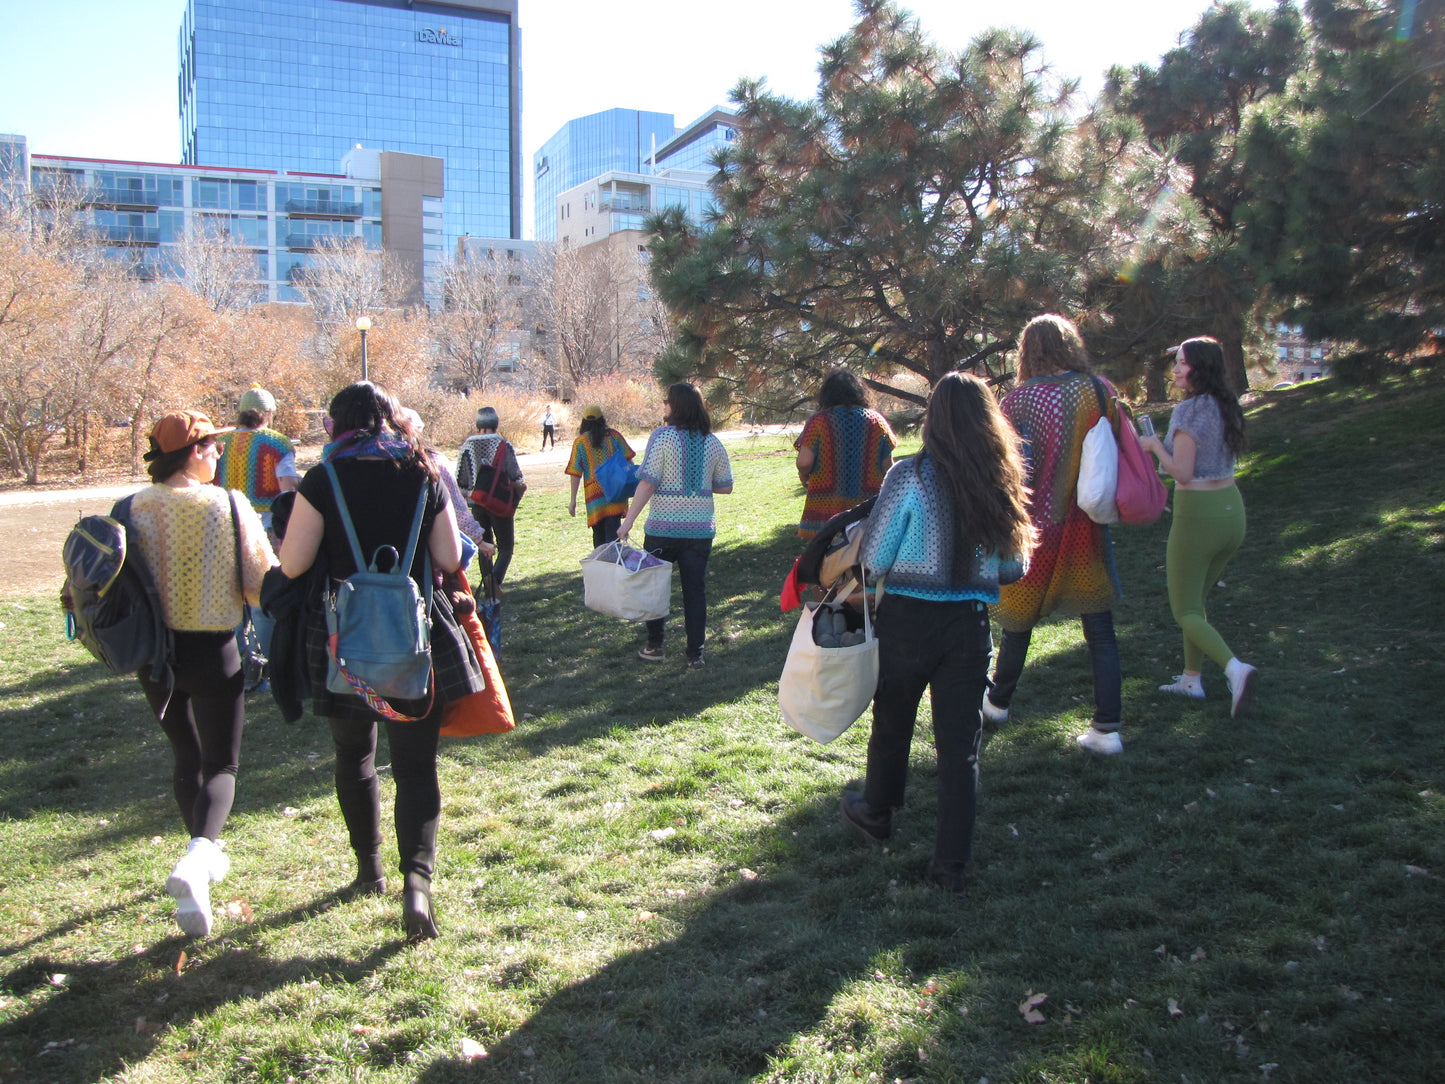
(648, 881)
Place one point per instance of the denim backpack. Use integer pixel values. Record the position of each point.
(379, 623)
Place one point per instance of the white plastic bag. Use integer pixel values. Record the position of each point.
(824, 690)
(1099, 474)
(620, 581)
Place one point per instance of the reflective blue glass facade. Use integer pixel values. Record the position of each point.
(695, 145)
(614, 140)
(294, 84)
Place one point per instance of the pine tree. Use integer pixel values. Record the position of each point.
(1193, 109)
(1350, 232)
(909, 220)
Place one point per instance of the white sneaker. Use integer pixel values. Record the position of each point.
(992, 712)
(190, 883)
(1185, 685)
(1097, 741)
(1241, 677)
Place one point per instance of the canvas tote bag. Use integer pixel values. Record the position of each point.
(823, 690)
(621, 581)
(1099, 469)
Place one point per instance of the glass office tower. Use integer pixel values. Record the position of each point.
(295, 84)
(615, 139)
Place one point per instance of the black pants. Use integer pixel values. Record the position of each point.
(945, 647)
(605, 530)
(690, 555)
(418, 795)
(500, 531)
(549, 432)
(203, 723)
(1103, 655)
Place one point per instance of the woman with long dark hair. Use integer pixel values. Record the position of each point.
(1052, 409)
(844, 452)
(1206, 434)
(684, 465)
(382, 467)
(949, 527)
(187, 531)
(596, 443)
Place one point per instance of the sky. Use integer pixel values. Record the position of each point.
(97, 78)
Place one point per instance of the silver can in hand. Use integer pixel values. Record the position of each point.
(1146, 426)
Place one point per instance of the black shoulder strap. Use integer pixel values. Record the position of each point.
(240, 574)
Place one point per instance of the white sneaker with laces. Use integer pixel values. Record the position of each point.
(1097, 741)
(1185, 685)
(992, 712)
(1241, 677)
(203, 864)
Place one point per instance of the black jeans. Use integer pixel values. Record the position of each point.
(945, 647)
(606, 530)
(203, 723)
(1103, 654)
(418, 794)
(501, 531)
(690, 555)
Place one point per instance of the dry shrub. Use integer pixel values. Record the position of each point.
(451, 418)
(632, 407)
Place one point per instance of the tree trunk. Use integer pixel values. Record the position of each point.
(1232, 340)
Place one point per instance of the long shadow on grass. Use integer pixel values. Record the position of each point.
(559, 657)
(85, 742)
(91, 1020)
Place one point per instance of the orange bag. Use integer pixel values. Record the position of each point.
(486, 712)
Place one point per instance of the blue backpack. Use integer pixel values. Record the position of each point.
(379, 623)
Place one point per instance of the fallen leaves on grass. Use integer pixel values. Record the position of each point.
(1029, 1008)
(473, 1050)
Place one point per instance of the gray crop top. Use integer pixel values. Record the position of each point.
(1199, 416)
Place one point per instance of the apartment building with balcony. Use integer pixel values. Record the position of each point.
(142, 212)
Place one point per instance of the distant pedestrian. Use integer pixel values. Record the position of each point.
(480, 450)
(596, 443)
(949, 527)
(1206, 433)
(684, 465)
(187, 531)
(549, 428)
(844, 452)
(1053, 408)
(261, 463)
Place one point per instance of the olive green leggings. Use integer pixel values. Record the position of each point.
(1208, 528)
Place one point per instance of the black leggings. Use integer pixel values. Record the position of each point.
(418, 795)
(203, 722)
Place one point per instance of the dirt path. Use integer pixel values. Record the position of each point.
(34, 523)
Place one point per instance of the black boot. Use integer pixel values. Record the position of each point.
(417, 915)
(875, 827)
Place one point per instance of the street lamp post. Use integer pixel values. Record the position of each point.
(363, 325)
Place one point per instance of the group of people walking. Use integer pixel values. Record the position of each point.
(982, 520)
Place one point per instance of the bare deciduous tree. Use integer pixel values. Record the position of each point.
(474, 328)
(594, 303)
(217, 269)
(345, 279)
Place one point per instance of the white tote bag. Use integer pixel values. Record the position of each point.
(824, 690)
(1099, 474)
(620, 581)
